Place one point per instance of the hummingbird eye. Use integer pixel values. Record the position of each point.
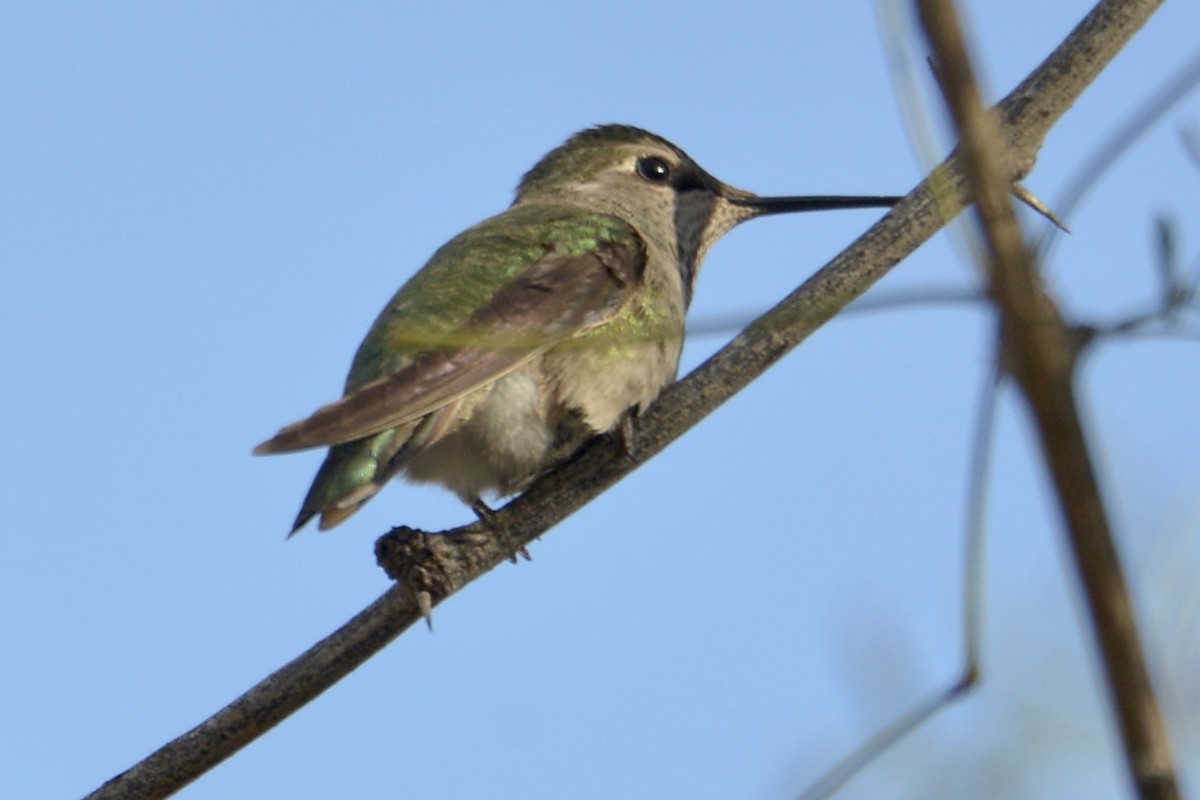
(653, 169)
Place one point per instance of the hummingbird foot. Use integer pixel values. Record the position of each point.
(626, 432)
(487, 515)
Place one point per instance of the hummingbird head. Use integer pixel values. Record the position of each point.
(655, 186)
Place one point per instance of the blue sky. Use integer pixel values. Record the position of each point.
(206, 205)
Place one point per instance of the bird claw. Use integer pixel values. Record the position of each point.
(487, 516)
(625, 433)
(482, 510)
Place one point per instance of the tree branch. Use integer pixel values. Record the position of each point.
(1041, 352)
(430, 568)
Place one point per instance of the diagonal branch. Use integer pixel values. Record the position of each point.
(431, 567)
(1041, 352)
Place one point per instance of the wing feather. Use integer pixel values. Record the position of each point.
(559, 297)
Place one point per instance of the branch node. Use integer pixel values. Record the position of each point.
(418, 561)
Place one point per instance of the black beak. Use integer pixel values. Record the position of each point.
(786, 205)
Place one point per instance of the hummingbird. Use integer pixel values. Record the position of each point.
(533, 331)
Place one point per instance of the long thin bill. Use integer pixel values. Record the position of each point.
(787, 205)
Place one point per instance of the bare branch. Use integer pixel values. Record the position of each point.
(181, 761)
(1041, 351)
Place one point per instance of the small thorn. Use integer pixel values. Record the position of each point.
(1027, 197)
(425, 605)
(936, 71)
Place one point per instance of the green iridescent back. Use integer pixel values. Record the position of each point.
(465, 273)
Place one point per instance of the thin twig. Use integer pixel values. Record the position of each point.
(1132, 128)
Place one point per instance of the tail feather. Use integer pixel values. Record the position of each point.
(350, 476)
(333, 517)
(354, 472)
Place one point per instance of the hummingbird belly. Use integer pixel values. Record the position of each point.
(505, 441)
(527, 421)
